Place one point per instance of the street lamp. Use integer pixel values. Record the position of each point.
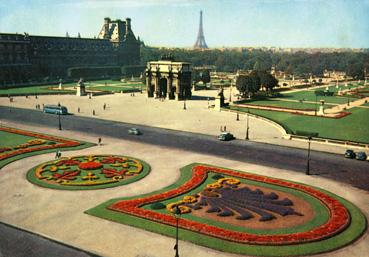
(247, 124)
(308, 158)
(177, 215)
(238, 116)
(60, 128)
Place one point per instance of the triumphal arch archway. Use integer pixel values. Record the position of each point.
(168, 78)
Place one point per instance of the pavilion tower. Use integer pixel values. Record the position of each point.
(200, 41)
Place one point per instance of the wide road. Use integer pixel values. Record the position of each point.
(327, 165)
(19, 243)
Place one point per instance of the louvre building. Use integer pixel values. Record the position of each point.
(24, 57)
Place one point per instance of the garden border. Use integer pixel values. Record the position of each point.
(356, 228)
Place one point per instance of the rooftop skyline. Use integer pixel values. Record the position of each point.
(174, 23)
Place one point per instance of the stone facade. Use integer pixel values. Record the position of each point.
(167, 78)
(24, 57)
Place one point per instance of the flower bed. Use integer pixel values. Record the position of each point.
(37, 144)
(148, 212)
(339, 216)
(88, 172)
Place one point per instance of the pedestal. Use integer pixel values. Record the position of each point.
(321, 110)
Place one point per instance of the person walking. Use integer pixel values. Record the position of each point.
(93, 112)
(99, 141)
(104, 107)
(78, 110)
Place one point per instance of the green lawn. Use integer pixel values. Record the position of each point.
(121, 87)
(11, 140)
(285, 104)
(8, 139)
(353, 127)
(350, 234)
(33, 90)
(310, 96)
(112, 85)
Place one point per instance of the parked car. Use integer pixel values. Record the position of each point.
(226, 136)
(350, 154)
(361, 156)
(134, 131)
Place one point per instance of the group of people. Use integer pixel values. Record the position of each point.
(38, 106)
(223, 128)
(57, 154)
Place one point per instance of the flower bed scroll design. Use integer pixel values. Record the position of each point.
(339, 216)
(41, 142)
(228, 197)
(87, 172)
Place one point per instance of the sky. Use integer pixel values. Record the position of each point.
(174, 23)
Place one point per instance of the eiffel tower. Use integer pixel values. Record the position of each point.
(200, 41)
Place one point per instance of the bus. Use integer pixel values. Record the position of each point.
(55, 109)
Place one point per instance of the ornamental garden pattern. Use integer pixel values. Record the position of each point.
(220, 207)
(88, 172)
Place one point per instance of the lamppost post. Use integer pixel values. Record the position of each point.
(238, 116)
(60, 128)
(177, 214)
(247, 124)
(308, 158)
(316, 99)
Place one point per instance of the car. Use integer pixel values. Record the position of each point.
(350, 154)
(361, 156)
(134, 131)
(226, 136)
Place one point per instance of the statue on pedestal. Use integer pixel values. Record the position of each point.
(81, 89)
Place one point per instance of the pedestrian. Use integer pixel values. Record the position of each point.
(36, 96)
(104, 107)
(89, 96)
(56, 154)
(79, 110)
(43, 106)
(93, 112)
(26, 96)
(225, 128)
(59, 154)
(99, 141)
(221, 128)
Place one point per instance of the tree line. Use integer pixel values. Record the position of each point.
(299, 63)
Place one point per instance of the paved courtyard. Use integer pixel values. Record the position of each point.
(169, 114)
(59, 214)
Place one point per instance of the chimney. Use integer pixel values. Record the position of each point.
(128, 25)
(106, 27)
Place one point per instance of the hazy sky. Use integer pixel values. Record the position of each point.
(280, 23)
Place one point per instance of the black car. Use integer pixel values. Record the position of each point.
(226, 136)
(350, 154)
(361, 156)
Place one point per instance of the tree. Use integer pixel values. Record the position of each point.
(205, 76)
(267, 80)
(248, 84)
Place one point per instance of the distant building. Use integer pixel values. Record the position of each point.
(168, 78)
(25, 57)
(335, 75)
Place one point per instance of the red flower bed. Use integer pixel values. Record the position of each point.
(61, 142)
(338, 221)
(91, 165)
